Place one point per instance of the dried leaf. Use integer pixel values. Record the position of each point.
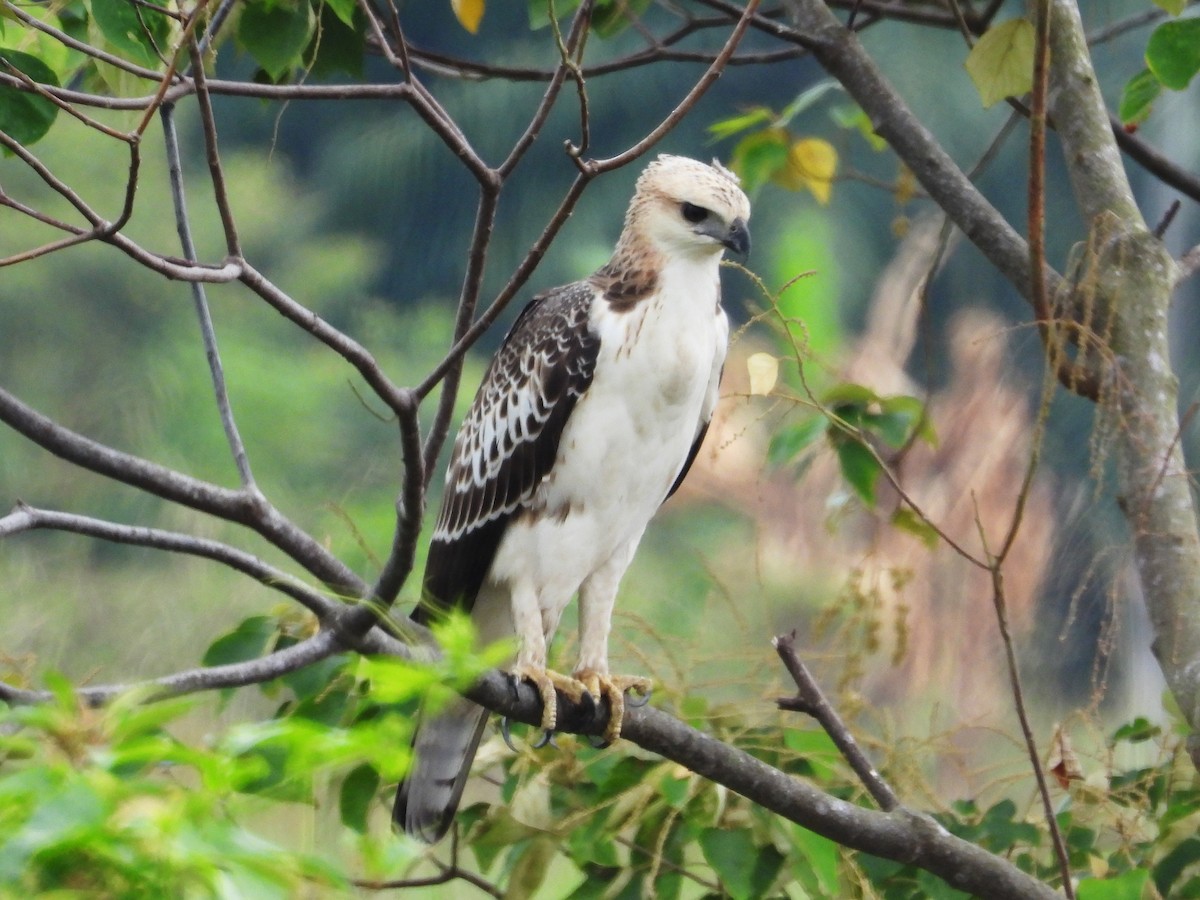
(764, 372)
(1062, 763)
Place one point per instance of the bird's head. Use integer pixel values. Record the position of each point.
(682, 206)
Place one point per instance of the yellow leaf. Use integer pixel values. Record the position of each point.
(764, 371)
(1001, 64)
(811, 164)
(468, 13)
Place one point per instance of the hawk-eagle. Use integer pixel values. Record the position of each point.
(588, 418)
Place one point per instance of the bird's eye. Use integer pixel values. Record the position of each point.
(693, 213)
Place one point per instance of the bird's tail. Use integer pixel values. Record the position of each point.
(443, 747)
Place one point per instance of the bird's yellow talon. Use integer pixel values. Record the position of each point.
(549, 684)
(613, 688)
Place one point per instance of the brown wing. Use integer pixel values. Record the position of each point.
(509, 440)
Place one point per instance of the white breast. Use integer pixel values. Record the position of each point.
(655, 383)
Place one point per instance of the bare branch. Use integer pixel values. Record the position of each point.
(28, 518)
(596, 166)
(515, 283)
(398, 399)
(810, 699)
(840, 52)
(1165, 170)
(208, 333)
(485, 218)
(236, 506)
(900, 834)
(216, 172)
(208, 678)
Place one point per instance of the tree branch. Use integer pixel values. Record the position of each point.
(208, 678)
(235, 506)
(901, 834)
(208, 334)
(28, 518)
(843, 56)
(809, 699)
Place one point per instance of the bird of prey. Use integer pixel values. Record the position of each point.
(588, 418)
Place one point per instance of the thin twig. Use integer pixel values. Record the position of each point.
(352, 351)
(29, 518)
(215, 171)
(208, 333)
(234, 506)
(208, 678)
(1067, 375)
(809, 699)
(711, 74)
(447, 872)
(520, 275)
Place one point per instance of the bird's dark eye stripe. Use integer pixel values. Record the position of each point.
(694, 213)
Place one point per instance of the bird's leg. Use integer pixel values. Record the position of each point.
(596, 597)
(531, 626)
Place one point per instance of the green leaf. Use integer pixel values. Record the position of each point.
(135, 30)
(908, 521)
(1140, 729)
(611, 17)
(900, 416)
(312, 681)
(674, 789)
(759, 115)
(849, 394)
(1126, 886)
(759, 157)
(1186, 854)
(1173, 52)
(355, 798)
(1001, 63)
(746, 869)
(859, 466)
(853, 116)
(26, 117)
(817, 864)
(590, 843)
(343, 9)
(807, 99)
(1138, 96)
(337, 47)
(248, 641)
(276, 35)
(788, 442)
(1174, 7)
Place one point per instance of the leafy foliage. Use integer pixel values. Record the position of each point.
(1172, 61)
(26, 117)
(768, 151)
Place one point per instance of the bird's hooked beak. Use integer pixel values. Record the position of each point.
(737, 238)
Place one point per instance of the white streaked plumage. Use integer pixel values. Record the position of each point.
(587, 419)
